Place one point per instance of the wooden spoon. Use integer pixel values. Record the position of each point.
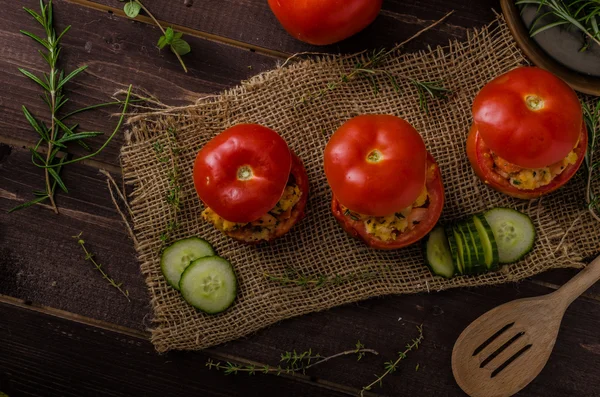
(506, 348)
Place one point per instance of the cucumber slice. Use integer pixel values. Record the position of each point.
(468, 251)
(176, 257)
(478, 264)
(514, 233)
(438, 256)
(209, 284)
(453, 248)
(488, 242)
(460, 248)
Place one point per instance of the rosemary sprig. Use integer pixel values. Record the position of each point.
(430, 89)
(582, 14)
(171, 38)
(371, 68)
(391, 366)
(292, 362)
(90, 257)
(56, 136)
(296, 278)
(592, 166)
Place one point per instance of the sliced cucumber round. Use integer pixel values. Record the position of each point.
(438, 256)
(513, 231)
(452, 243)
(209, 284)
(177, 257)
(488, 241)
(460, 248)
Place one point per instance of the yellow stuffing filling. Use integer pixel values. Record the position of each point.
(529, 179)
(263, 227)
(388, 228)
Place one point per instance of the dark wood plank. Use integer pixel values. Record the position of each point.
(41, 262)
(251, 22)
(41, 355)
(384, 324)
(118, 52)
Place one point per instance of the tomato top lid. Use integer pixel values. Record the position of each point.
(376, 164)
(242, 172)
(529, 117)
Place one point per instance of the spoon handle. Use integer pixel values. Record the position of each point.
(579, 284)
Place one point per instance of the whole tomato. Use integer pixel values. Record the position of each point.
(322, 22)
(376, 164)
(483, 164)
(427, 217)
(242, 172)
(529, 117)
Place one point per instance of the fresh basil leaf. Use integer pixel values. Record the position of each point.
(180, 46)
(162, 42)
(132, 9)
(169, 33)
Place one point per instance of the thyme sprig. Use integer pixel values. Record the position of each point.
(592, 165)
(371, 68)
(55, 137)
(90, 257)
(293, 277)
(173, 194)
(291, 361)
(392, 366)
(169, 37)
(582, 14)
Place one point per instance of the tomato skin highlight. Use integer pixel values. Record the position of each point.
(529, 117)
(482, 163)
(435, 190)
(242, 172)
(376, 164)
(322, 22)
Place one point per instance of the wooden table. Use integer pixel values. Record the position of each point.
(64, 331)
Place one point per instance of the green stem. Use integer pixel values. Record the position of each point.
(99, 105)
(117, 128)
(415, 344)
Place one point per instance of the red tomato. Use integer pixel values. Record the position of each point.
(242, 172)
(529, 117)
(483, 164)
(324, 22)
(427, 217)
(376, 164)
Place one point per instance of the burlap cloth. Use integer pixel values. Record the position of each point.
(317, 245)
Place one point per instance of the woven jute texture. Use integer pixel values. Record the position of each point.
(171, 138)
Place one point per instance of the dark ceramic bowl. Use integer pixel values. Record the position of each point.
(556, 49)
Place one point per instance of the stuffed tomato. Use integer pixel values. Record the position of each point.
(387, 189)
(528, 136)
(253, 186)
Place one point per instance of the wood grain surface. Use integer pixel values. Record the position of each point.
(65, 331)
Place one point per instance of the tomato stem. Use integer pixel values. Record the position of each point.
(244, 173)
(534, 102)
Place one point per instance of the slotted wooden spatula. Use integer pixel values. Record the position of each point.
(506, 348)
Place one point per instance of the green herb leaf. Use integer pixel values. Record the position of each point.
(78, 136)
(39, 40)
(132, 9)
(70, 76)
(58, 179)
(169, 33)
(28, 204)
(34, 123)
(180, 46)
(162, 42)
(34, 78)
